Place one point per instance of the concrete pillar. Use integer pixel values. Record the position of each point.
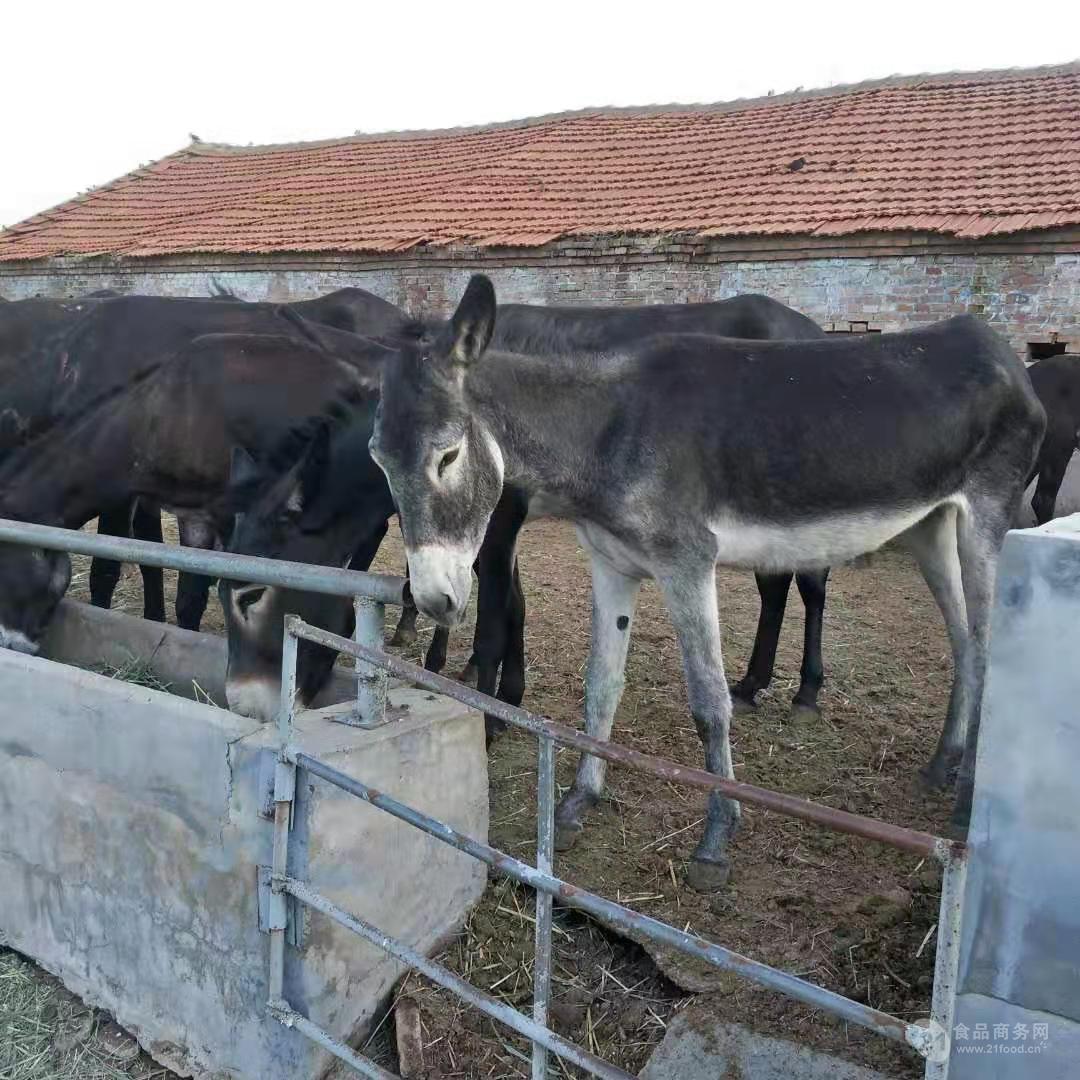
(1018, 1011)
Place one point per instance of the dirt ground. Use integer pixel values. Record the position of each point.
(850, 915)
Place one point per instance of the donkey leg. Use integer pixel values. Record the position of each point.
(495, 582)
(146, 525)
(435, 658)
(192, 594)
(405, 634)
(499, 639)
(614, 597)
(1054, 463)
(812, 674)
(933, 542)
(483, 629)
(193, 590)
(512, 676)
(691, 601)
(105, 573)
(980, 534)
(773, 590)
(499, 643)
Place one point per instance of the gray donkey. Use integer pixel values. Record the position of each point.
(684, 451)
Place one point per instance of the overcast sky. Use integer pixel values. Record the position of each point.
(91, 91)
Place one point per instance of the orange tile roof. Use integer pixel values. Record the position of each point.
(969, 155)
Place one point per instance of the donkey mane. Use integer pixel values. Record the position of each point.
(288, 452)
(74, 421)
(71, 423)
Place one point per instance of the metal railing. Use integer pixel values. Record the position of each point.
(929, 1038)
(371, 592)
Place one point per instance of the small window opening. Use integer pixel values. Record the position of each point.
(1040, 350)
(856, 326)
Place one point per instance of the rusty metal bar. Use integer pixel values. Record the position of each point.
(288, 1016)
(468, 993)
(954, 859)
(919, 843)
(545, 853)
(386, 588)
(632, 922)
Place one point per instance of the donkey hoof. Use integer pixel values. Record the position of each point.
(708, 875)
(402, 638)
(939, 774)
(570, 817)
(801, 713)
(468, 675)
(743, 706)
(566, 836)
(493, 728)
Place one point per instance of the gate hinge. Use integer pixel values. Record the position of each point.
(279, 910)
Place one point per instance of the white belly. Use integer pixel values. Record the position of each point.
(827, 541)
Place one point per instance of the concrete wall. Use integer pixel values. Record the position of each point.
(190, 664)
(130, 844)
(1026, 293)
(1018, 1012)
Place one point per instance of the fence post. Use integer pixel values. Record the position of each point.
(284, 794)
(954, 861)
(371, 681)
(545, 846)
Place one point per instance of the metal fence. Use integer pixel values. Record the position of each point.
(371, 592)
(929, 1038)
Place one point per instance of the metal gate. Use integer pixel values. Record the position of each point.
(930, 1037)
(371, 592)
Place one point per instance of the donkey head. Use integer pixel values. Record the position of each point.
(32, 584)
(444, 468)
(301, 513)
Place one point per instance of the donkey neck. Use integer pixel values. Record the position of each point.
(548, 416)
(69, 476)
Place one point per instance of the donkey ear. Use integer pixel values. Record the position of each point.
(305, 478)
(315, 464)
(473, 323)
(243, 468)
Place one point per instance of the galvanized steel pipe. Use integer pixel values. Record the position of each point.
(385, 588)
(920, 843)
(920, 1037)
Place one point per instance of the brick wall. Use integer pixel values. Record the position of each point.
(1028, 295)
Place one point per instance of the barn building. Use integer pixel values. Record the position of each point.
(876, 206)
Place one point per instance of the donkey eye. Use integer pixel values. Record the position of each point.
(448, 459)
(248, 598)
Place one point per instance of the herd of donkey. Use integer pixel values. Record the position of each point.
(674, 436)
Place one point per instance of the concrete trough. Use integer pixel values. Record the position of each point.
(133, 833)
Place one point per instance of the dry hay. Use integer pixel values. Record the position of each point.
(136, 671)
(47, 1034)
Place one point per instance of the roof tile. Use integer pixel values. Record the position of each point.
(970, 155)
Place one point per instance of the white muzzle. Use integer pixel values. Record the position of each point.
(440, 579)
